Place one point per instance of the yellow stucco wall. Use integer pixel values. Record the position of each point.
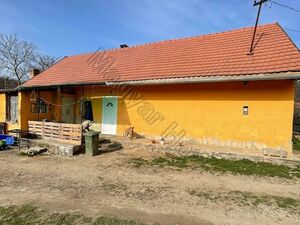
(53, 113)
(10, 125)
(214, 112)
(211, 113)
(2, 107)
(24, 110)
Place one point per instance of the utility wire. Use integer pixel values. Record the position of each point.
(250, 18)
(291, 29)
(285, 6)
(288, 7)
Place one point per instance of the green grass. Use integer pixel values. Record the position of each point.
(248, 199)
(28, 215)
(296, 144)
(24, 154)
(212, 164)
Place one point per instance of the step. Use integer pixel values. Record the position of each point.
(110, 147)
(104, 141)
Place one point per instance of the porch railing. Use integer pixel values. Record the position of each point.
(69, 133)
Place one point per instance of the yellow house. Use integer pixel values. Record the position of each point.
(9, 109)
(208, 88)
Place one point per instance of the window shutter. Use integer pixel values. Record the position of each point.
(14, 108)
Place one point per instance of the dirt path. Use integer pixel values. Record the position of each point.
(108, 185)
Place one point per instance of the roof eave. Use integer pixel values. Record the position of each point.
(8, 90)
(210, 79)
(184, 80)
(43, 87)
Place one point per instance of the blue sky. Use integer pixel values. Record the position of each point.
(67, 27)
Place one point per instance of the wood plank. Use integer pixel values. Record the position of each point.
(70, 133)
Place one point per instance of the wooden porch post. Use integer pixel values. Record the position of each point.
(81, 105)
(39, 105)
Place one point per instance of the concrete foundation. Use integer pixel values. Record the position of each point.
(194, 148)
(58, 148)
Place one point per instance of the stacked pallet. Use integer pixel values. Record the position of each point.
(70, 133)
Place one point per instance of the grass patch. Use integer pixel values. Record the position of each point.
(28, 215)
(296, 144)
(248, 199)
(24, 154)
(212, 164)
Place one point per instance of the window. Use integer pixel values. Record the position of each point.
(12, 108)
(39, 107)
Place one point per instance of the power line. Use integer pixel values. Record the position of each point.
(290, 29)
(250, 18)
(288, 7)
(285, 6)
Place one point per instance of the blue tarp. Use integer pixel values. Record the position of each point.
(10, 140)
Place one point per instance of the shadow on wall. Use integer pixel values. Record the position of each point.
(124, 120)
(123, 116)
(234, 91)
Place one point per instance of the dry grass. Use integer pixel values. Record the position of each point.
(249, 199)
(28, 215)
(212, 164)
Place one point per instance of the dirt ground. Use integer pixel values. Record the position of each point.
(109, 185)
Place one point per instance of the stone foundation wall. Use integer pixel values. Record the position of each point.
(189, 150)
(248, 145)
(57, 148)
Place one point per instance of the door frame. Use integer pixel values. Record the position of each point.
(73, 97)
(116, 116)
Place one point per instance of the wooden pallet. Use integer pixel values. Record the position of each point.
(70, 133)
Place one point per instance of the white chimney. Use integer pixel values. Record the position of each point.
(33, 73)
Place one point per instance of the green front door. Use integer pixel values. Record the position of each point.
(109, 115)
(67, 110)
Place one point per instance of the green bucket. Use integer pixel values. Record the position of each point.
(2, 144)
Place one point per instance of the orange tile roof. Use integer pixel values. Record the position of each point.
(220, 54)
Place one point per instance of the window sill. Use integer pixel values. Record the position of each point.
(10, 122)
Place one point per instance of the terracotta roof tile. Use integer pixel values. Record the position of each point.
(219, 54)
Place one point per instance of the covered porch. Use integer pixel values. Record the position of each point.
(67, 139)
(58, 112)
(54, 116)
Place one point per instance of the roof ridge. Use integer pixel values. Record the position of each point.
(172, 40)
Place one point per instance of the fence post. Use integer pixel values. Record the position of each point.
(43, 129)
(61, 131)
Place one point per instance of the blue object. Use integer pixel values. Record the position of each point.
(88, 111)
(10, 140)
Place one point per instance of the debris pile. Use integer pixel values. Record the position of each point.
(33, 151)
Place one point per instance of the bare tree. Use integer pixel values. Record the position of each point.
(43, 62)
(7, 83)
(16, 56)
